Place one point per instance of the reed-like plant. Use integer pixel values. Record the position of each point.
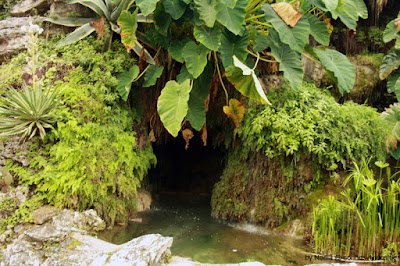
(364, 220)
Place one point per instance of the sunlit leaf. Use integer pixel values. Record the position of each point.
(235, 111)
(125, 80)
(340, 66)
(128, 24)
(172, 105)
(390, 32)
(152, 74)
(195, 57)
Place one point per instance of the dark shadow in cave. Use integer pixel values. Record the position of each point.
(188, 172)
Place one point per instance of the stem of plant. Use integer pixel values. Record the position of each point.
(220, 78)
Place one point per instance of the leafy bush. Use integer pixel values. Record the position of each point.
(92, 159)
(306, 121)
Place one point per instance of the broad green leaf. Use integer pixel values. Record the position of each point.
(162, 20)
(347, 11)
(233, 45)
(147, 6)
(390, 62)
(128, 24)
(70, 22)
(195, 57)
(207, 11)
(175, 8)
(318, 30)
(390, 32)
(393, 84)
(229, 3)
(296, 37)
(172, 105)
(259, 39)
(76, 35)
(152, 74)
(289, 60)
(125, 80)
(331, 4)
(244, 84)
(340, 66)
(210, 38)
(362, 10)
(98, 6)
(198, 95)
(232, 18)
(175, 49)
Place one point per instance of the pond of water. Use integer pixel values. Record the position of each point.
(198, 236)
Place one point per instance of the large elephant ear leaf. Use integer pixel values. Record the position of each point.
(125, 80)
(393, 84)
(232, 18)
(207, 11)
(195, 57)
(390, 62)
(147, 6)
(339, 65)
(128, 24)
(152, 74)
(76, 35)
(172, 105)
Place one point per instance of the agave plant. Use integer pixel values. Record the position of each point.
(28, 112)
(108, 12)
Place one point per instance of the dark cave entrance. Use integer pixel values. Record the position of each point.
(188, 172)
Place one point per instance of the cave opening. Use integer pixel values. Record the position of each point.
(180, 171)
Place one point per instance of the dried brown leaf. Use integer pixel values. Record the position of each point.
(235, 111)
(98, 25)
(287, 13)
(187, 135)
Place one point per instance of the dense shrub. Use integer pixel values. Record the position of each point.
(93, 158)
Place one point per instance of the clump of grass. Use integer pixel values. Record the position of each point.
(363, 220)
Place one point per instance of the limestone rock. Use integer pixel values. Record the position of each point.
(46, 233)
(12, 148)
(69, 220)
(43, 214)
(143, 200)
(26, 8)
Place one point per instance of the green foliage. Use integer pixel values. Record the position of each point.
(28, 112)
(306, 121)
(364, 220)
(92, 159)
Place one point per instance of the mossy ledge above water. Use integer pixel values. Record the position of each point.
(284, 152)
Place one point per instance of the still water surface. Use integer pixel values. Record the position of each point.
(198, 236)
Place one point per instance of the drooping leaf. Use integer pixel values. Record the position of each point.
(393, 84)
(318, 30)
(233, 45)
(287, 13)
(175, 8)
(296, 37)
(390, 32)
(76, 35)
(331, 4)
(340, 66)
(232, 18)
(349, 11)
(198, 95)
(235, 111)
(152, 74)
(248, 71)
(390, 62)
(125, 80)
(210, 38)
(172, 105)
(195, 57)
(244, 84)
(289, 60)
(147, 6)
(362, 10)
(128, 24)
(207, 11)
(70, 22)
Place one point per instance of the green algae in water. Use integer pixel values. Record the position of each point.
(201, 238)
